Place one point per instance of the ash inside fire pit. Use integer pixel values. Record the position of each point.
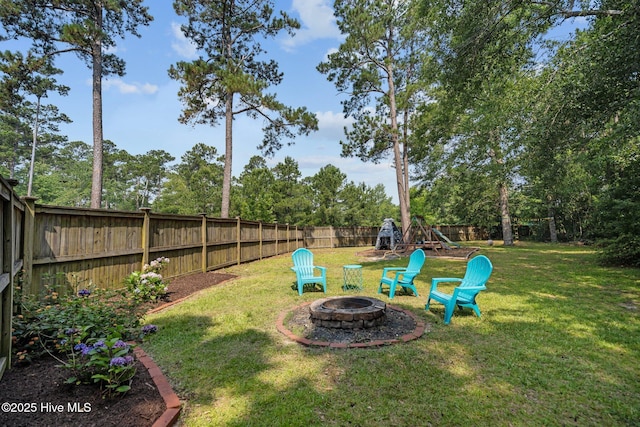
(348, 312)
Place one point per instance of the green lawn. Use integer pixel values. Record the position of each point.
(558, 344)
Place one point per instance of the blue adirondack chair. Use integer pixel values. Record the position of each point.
(464, 295)
(304, 269)
(403, 276)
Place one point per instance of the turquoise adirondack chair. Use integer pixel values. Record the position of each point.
(304, 269)
(403, 276)
(464, 295)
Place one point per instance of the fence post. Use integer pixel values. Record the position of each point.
(146, 228)
(8, 266)
(203, 231)
(277, 253)
(304, 236)
(288, 247)
(29, 235)
(260, 237)
(238, 237)
(331, 233)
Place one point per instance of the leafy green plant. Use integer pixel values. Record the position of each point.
(86, 330)
(148, 284)
(96, 312)
(108, 362)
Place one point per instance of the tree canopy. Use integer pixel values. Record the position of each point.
(492, 122)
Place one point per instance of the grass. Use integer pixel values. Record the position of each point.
(558, 343)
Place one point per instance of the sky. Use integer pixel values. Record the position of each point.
(141, 109)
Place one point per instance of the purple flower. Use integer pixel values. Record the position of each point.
(84, 292)
(71, 331)
(99, 345)
(83, 348)
(121, 361)
(120, 344)
(118, 361)
(149, 329)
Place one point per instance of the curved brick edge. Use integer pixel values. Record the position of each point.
(419, 330)
(171, 400)
(172, 303)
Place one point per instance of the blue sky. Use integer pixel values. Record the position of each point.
(141, 109)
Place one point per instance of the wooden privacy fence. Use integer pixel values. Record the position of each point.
(336, 237)
(11, 250)
(76, 247)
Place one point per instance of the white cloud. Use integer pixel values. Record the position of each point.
(128, 88)
(181, 45)
(331, 125)
(329, 52)
(111, 49)
(316, 22)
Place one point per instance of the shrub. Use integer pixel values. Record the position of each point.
(107, 362)
(89, 327)
(95, 312)
(148, 284)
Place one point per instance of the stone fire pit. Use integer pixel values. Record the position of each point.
(348, 312)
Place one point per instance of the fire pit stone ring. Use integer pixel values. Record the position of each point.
(348, 312)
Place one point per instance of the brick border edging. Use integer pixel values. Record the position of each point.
(171, 400)
(417, 332)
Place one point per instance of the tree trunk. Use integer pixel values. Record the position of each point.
(96, 181)
(399, 158)
(33, 149)
(553, 231)
(228, 156)
(507, 233)
(405, 165)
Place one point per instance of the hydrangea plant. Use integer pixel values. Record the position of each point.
(148, 284)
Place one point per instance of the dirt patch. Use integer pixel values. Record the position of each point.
(37, 396)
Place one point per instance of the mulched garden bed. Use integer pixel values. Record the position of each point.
(37, 396)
